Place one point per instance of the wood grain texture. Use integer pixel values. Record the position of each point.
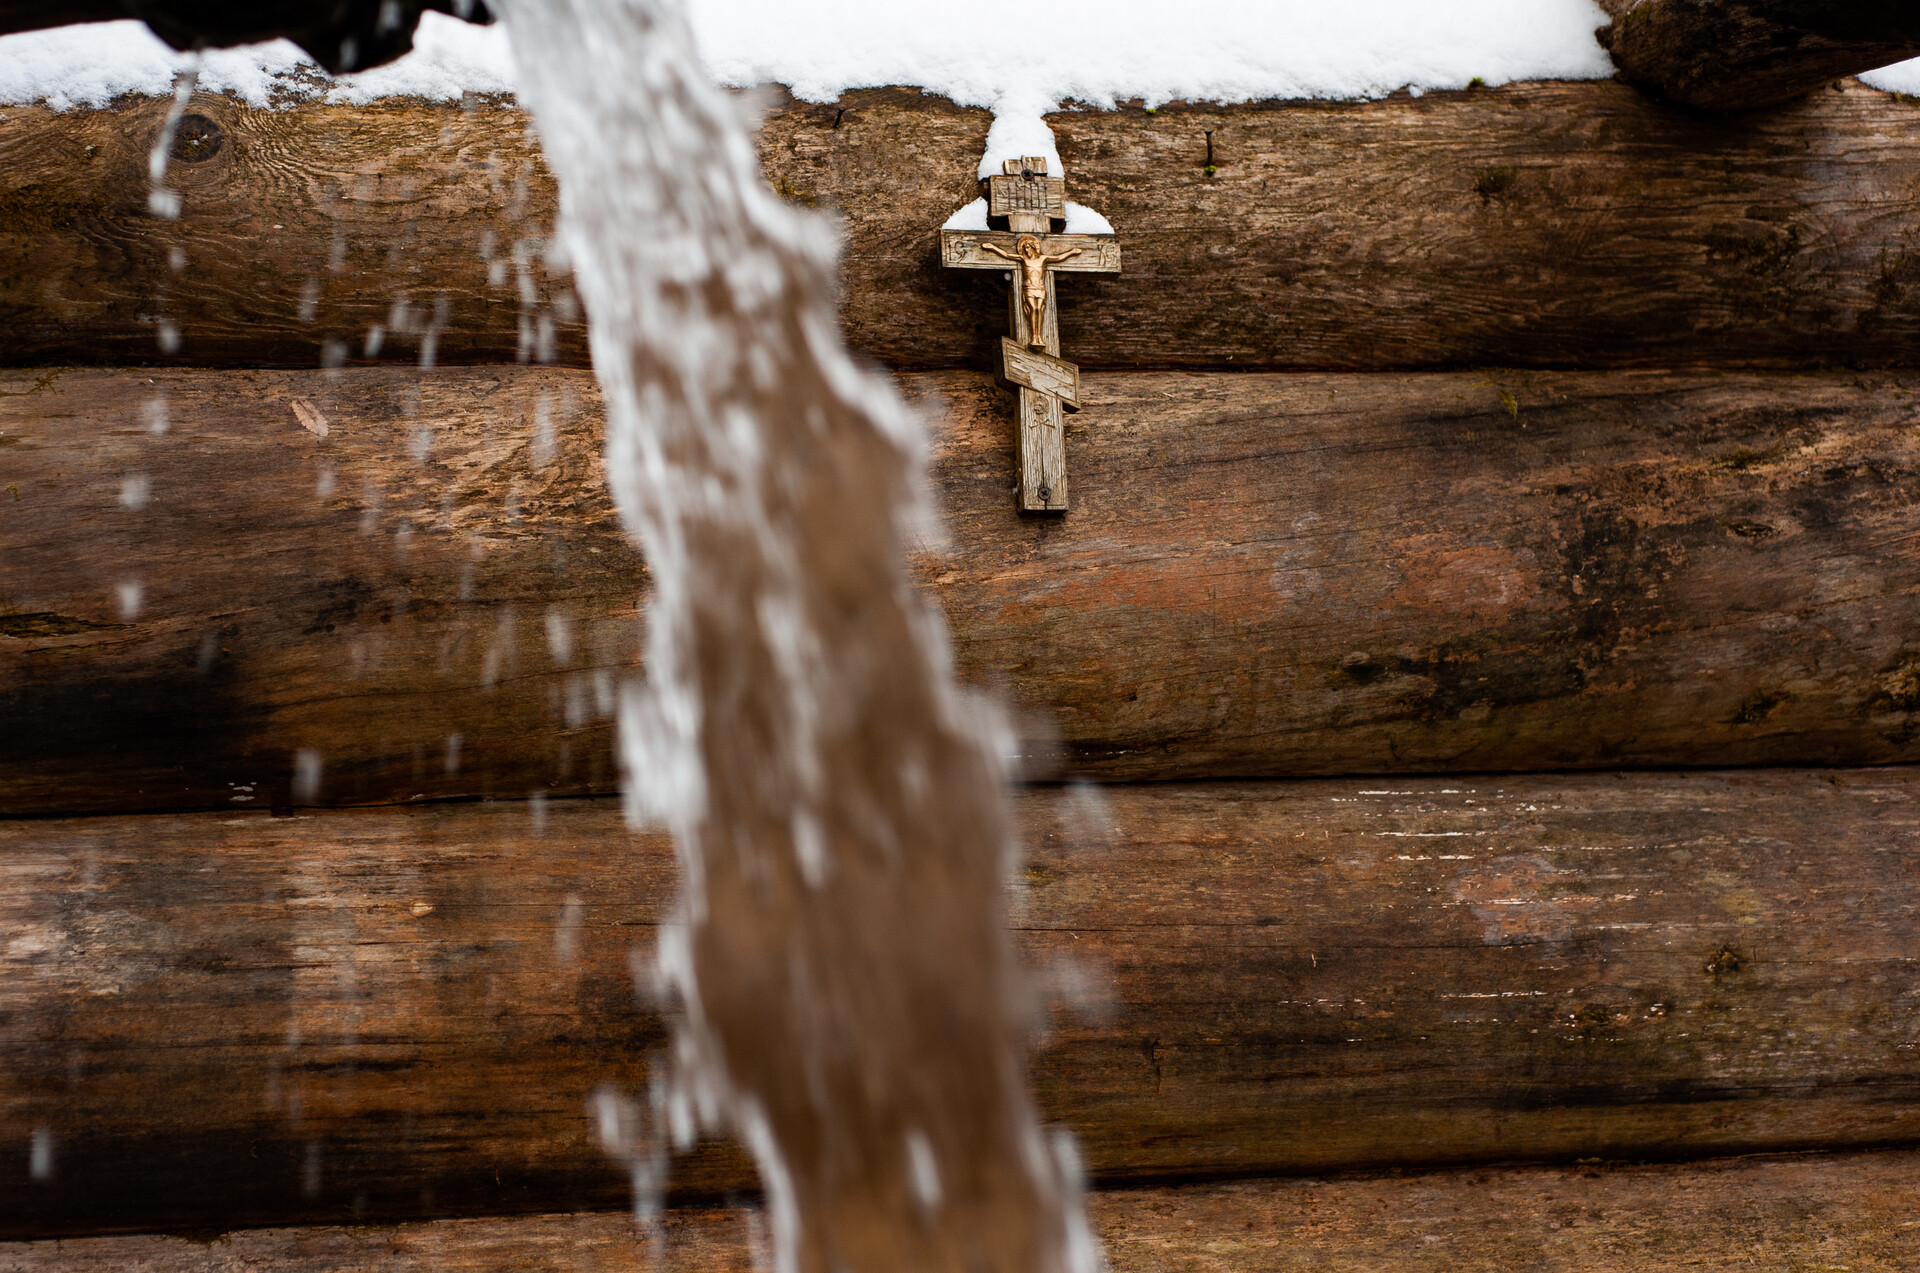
(231, 1020)
(300, 234)
(1852, 1211)
(435, 597)
(1040, 371)
(1323, 574)
(1262, 576)
(1548, 225)
(1729, 55)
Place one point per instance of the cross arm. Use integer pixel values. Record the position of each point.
(961, 250)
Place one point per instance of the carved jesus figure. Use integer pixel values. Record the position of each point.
(1033, 263)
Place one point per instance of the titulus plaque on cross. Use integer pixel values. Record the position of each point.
(1031, 252)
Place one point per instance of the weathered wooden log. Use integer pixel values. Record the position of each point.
(417, 581)
(235, 1020)
(1263, 576)
(1730, 55)
(1539, 225)
(1843, 1210)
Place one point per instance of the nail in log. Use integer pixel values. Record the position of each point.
(1030, 202)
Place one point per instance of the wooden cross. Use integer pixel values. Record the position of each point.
(1030, 252)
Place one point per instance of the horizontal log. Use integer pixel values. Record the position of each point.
(1262, 576)
(1730, 55)
(1537, 224)
(432, 599)
(233, 1020)
(1845, 1210)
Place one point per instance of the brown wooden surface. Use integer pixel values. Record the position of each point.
(1536, 224)
(370, 595)
(229, 1020)
(1262, 576)
(1851, 1211)
(1743, 54)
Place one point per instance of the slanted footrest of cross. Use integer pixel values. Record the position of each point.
(1041, 372)
(1030, 252)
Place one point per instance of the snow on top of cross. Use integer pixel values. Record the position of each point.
(1012, 55)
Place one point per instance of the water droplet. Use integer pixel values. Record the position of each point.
(559, 635)
(40, 1157)
(566, 934)
(922, 1170)
(135, 490)
(130, 595)
(306, 776)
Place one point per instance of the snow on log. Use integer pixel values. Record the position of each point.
(368, 1015)
(1262, 576)
(1537, 224)
(1730, 55)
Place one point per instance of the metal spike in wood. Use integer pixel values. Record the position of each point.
(1030, 252)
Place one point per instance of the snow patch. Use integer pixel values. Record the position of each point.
(90, 65)
(971, 217)
(1084, 220)
(986, 53)
(1080, 219)
(1901, 77)
(1019, 59)
(1019, 132)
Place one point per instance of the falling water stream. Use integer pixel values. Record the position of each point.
(847, 997)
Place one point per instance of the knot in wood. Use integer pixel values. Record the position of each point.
(196, 139)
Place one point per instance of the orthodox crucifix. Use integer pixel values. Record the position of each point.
(1032, 203)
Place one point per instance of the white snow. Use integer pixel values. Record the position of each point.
(1019, 58)
(1010, 53)
(1080, 219)
(91, 65)
(1018, 131)
(1901, 77)
(1013, 55)
(971, 217)
(1102, 51)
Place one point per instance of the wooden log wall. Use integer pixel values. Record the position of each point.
(1853, 1212)
(1627, 482)
(1539, 225)
(221, 1020)
(1263, 576)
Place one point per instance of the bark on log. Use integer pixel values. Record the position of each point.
(435, 597)
(1538, 225)
(1263, 576)
(1731, 55)
(210, 1020)
(1845, 1210)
